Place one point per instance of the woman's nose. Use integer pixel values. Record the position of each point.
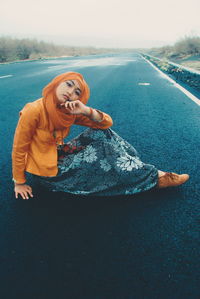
(70, 90)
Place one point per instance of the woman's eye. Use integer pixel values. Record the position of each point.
(77, 93)
(69, 84)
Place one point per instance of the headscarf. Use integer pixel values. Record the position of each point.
(58, 120)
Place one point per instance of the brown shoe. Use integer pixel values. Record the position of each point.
(171, 179)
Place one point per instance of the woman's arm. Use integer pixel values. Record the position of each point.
(87, 116)
(23, 135)
(96, 120)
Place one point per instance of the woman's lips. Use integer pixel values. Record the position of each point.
(65, 97)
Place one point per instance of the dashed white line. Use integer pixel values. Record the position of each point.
(143, 83)
(50, 67)
(6, 76)
(185, 91)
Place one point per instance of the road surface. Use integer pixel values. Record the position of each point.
(142, 246)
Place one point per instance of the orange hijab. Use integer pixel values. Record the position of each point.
(58, 120)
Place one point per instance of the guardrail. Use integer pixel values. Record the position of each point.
(177, 71)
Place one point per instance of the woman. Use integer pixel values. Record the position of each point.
(97, 162)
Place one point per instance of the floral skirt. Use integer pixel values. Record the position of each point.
(100, 162)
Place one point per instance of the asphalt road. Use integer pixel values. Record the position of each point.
(142, 246)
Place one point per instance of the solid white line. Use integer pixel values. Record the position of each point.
(6, 76)
(185, 91)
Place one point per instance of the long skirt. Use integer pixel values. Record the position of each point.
(100, 162)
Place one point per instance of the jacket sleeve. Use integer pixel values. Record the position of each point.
(23, 135)
(105, 123)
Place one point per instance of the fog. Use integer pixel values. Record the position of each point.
(105, 23)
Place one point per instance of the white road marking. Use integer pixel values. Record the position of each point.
(50, 67)
(143, 83)
(185, 91)
(6, 76)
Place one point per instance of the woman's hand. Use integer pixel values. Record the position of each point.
(24, 190)
(76, 107)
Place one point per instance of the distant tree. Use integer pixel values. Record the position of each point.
(188, 45)
(3, 50)
(24, 49)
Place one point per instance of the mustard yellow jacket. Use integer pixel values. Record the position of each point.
(35, 147)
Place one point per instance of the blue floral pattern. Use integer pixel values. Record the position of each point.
(127, 162)
(90, 154)
(105, 165)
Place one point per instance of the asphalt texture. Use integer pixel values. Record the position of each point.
(141, 246)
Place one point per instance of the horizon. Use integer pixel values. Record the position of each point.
(59, 41)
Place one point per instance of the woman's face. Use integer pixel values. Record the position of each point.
(69, 90)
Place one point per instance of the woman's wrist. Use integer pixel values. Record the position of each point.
(93, 114)
(16, 184)
(88, 111)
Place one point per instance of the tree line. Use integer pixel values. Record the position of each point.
(189, 45)
(12, 49)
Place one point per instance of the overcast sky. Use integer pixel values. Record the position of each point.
(104, 23)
